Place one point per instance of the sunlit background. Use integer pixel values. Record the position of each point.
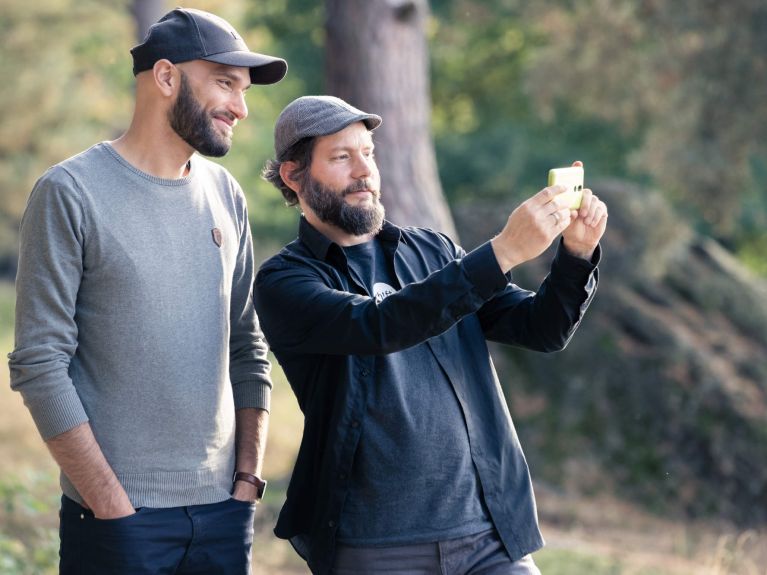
(647, 437)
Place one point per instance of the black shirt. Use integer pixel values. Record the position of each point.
(413, 479)
(325, 331)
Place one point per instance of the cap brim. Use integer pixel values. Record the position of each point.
(263, 69)
(372, 121)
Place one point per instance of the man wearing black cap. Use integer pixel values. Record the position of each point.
(409, 461)
(138, 351)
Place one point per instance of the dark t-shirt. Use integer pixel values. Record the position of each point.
(413, 479)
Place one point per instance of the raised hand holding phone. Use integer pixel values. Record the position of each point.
(535, 223)
(589, 220)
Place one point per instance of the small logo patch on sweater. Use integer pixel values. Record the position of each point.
(218, 238)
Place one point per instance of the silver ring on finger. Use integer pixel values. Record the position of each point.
(556, 218)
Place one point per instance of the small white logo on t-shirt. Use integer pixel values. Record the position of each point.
(381, 291)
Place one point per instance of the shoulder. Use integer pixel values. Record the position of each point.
(295, 265)
(81, 165)
(430, 240)
(206, 168)
(86, 172)
(216, 178)
(58, 184)
(90, 170)
(292, 256)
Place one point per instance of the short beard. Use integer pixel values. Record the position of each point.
(195, 126)
(330, 207)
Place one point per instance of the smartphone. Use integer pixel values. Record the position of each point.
(572, 179)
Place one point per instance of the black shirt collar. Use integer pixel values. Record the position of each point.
(319, 244)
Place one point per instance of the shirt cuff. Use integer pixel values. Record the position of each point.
(573, 265)
(255, 394)
(483, 270)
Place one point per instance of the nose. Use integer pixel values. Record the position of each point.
(238, 106)
(363, 167)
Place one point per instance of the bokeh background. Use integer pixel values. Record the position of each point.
(647, 436)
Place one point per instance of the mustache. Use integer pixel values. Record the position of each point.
(361, 186)
(228, 115)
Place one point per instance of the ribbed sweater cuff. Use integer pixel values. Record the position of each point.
(252, 394)
(55, 415)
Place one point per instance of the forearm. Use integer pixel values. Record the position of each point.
(543, 320)
(250, 438)
(78, 454)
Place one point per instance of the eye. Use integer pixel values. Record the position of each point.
(226, 84)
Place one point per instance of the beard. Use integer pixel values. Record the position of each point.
(330, 206)
(194, 125)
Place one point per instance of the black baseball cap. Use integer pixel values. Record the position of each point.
(186, 34)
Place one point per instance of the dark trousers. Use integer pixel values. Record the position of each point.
(213, 539)
(479, 554)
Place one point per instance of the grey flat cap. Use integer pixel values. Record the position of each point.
(310, 116)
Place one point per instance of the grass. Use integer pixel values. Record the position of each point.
(567, 562)
(586, 536)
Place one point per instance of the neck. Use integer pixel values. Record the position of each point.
(335, 233)
(154, 148)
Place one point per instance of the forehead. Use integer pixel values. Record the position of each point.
(352, 136)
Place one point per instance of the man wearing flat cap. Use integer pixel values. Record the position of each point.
(138, 351)
(409, 461)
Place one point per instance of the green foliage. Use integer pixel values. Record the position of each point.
(291, 29)
(27, 545)
(67, 84)
(491, 143)
(679, 79)
(656, 92)
(752, 252)
(7, 305)
(296, 33)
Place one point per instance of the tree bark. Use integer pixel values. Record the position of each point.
(145, 13)
(377, 59)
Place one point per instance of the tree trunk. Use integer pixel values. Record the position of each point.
(377, 59)
(145, 13)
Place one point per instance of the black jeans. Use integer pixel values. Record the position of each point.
(198, 539)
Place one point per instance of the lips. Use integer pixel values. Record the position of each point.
(226, 123)
(359, 190)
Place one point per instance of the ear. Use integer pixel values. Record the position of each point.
(166, 76)
(286, 170)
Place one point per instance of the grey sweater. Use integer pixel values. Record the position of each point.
(134, 313)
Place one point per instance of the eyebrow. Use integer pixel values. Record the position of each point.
(224, 71)
(351, 146)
